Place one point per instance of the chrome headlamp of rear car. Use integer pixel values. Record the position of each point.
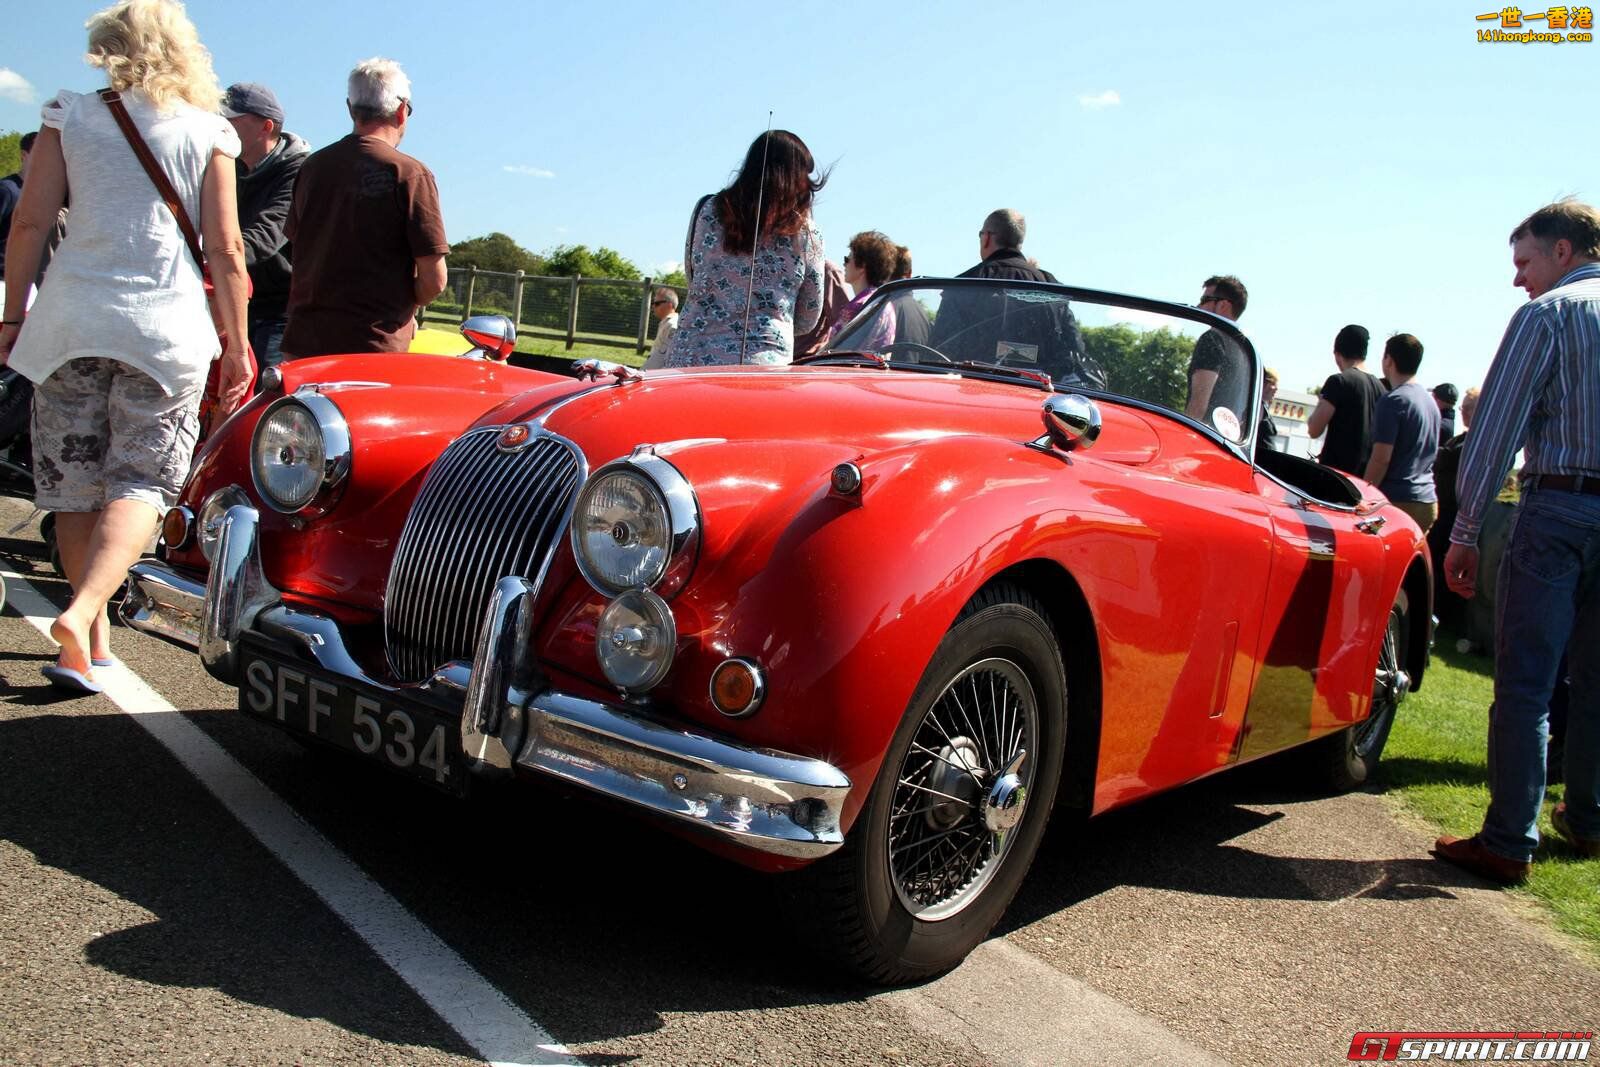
(636, 525)
(300, 454)
(212, 512)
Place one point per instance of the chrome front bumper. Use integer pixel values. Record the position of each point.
(757, 798)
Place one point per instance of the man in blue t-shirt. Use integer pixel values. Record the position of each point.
(1405, 435)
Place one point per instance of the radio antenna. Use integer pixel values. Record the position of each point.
(755, 243)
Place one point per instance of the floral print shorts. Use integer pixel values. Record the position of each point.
(103, 431)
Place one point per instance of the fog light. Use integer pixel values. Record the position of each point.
(635, 641)
(177, 526)
(737, 688)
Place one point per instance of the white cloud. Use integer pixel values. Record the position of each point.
(1097, 101)
(531, 172)
(14, 86)
(668, 267)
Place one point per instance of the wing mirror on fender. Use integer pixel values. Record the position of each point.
(492, 335)
(1071, 421)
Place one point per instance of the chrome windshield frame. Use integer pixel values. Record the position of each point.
(1244, 448)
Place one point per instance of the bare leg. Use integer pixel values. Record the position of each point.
(101, 565)
(74, 530)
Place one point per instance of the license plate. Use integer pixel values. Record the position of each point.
(413, 739)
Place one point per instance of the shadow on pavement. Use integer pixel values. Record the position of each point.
(94, 795)
(597, 924)
(1181, 842)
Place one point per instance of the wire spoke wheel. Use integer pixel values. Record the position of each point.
(961, 788)
(1388, 691)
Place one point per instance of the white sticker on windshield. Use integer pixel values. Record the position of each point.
(1011, 352)
(1226, 422)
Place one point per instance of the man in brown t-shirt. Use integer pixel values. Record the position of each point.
(368, 239)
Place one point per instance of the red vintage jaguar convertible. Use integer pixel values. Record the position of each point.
(875, 614)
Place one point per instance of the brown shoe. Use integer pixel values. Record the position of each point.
(1472, 854)
(1586, 845)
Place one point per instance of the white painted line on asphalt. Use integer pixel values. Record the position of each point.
(1015, 1009)
(484, 1017)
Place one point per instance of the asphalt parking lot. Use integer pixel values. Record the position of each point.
(179, 884)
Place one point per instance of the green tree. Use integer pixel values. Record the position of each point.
(495, 252)
(674, 278)
(568, 260)
(1148, 365)
(10, 152)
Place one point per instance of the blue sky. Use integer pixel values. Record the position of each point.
(1351, 163)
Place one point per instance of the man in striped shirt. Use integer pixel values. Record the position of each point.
(1542, 396)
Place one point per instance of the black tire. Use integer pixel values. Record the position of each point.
(1349, 759)
(904, 915)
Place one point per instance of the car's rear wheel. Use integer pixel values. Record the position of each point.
(1348, 759)
(960, 803)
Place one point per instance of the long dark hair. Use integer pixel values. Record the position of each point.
(785, 199)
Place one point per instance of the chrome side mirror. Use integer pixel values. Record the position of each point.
(493, 335)
(1071, 421)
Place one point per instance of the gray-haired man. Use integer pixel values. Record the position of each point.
(664, 306)
(369, 242)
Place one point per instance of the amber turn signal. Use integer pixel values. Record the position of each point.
(737, 688)
(177, 526)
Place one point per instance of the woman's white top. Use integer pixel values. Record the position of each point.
(123, 284)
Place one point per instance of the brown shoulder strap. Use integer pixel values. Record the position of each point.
(164, 187)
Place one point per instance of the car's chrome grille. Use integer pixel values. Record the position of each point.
(482, 514)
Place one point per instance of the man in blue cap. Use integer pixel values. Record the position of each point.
(269, 161)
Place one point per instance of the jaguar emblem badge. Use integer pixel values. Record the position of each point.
(513, 437)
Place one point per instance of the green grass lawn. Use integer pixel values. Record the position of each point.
(1436, 765)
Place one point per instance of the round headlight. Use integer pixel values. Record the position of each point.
(635, 640)
(301, 447)
(620, 531)
(212, 512)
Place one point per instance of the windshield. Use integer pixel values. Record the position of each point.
(1165, 358)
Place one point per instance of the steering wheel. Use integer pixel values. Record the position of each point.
(889, 350)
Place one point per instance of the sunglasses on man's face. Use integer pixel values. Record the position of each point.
(655, 303)
(409, 108)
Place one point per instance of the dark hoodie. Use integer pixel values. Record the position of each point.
(265, 194)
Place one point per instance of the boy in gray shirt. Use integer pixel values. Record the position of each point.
(1405, 435)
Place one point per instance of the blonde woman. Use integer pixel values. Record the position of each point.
(119, 343)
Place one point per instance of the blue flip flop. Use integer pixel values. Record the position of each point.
(68, 680)
(97, 662)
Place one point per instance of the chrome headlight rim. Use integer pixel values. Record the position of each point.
(682, 508)
(330, 422)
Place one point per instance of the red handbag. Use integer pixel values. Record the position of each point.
(212, 395)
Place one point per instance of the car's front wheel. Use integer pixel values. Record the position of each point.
(960, 803)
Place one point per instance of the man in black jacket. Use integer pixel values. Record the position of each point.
(992, 327)
(269, 161)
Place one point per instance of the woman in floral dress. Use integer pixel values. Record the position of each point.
(785, 297)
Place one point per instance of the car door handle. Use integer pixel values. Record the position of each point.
(1372, 525)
